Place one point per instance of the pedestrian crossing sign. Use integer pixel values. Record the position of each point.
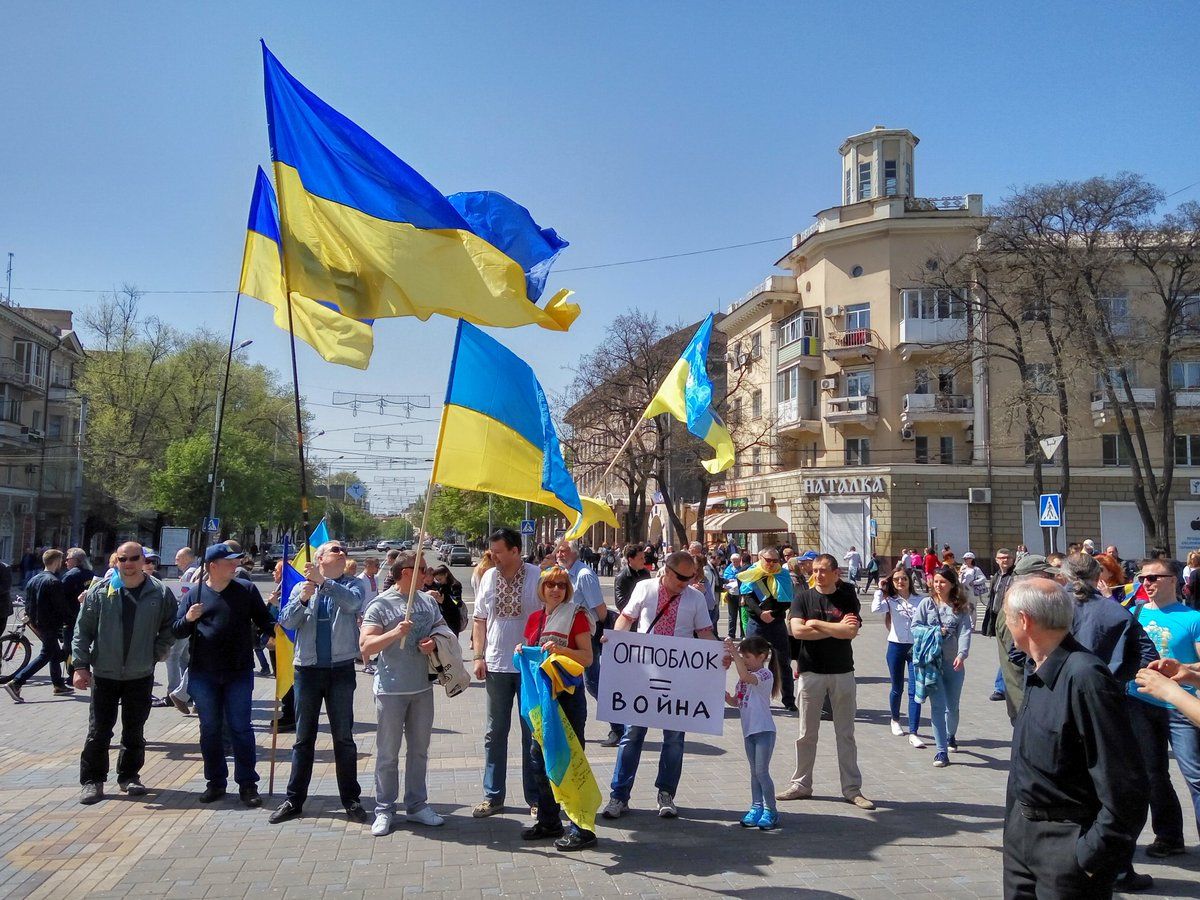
(1050, 510)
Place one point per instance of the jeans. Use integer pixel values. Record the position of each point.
(1185, 744)
(133, 700)
(776, 634)
(943, 702)
(263, 666)
(999, 684)
(178, 658)
(733, 605)
(223, 701)
(899, 656)
(502, 689)
(335, 687)
(548, 812)
(1152, 728)
(758, 752)
(52, 653)
(403, 718)
(841, 692)
(629, 754)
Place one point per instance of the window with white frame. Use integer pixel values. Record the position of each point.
(858, 317)
(921, 449)
(1185, 375)
(858, 451)
(756, 460)
(1115, 375)
(1187, 449)
(889, 178)
(932, 303)
(801, 325)
(860, 383)
(1113, 451)
(31, 359)
(848, 188)
(756, 345)
(864, 181)
(1115, 309)
(921, 381)
(789, 384)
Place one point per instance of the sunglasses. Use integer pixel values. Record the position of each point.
(679, 574)
(1150, 579)
(128, 558)
(335, 549)
(557, 584)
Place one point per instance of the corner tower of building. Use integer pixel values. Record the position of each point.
(878, 163)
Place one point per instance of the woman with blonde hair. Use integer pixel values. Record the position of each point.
(485, 562)
(949, 609)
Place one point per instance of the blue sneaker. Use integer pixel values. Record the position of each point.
(941, 759)
(750, 819)
(769, 820)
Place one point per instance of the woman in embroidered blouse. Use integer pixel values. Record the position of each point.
(895, 597)
(563, 628)
(949, 609)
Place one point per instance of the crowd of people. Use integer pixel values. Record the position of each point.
(1097, 662)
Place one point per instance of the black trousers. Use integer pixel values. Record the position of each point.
(132, 699)
(776, 634)
(1039, 862)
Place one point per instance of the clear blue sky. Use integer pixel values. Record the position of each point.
(130, 137)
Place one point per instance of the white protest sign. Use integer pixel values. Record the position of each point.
(662, 682)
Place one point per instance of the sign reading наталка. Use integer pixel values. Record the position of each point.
(662, 682)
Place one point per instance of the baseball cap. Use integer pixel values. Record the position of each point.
(1032, 564)
(151, 555)
(968, 555)
(808, 555)
(221, 551)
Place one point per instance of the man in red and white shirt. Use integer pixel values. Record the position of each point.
(664, 605)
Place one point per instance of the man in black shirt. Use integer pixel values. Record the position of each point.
(627, 578)
(1076, 797)
(219, 617)
(825, 619)
(47, 611)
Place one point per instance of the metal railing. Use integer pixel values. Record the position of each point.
(850, 340)
(947, 403)
(851, 406)
(925, 204)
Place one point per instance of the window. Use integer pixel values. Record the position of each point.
(889, 178)
(54, 430)
(1115, 375)
(1035, 309)
(756, 404)
(801, 325)
(847, 196)
(858, 317)
(31, 359)
(946, 450)
(1187, 449)
(10, 406)
(756, 460)
(932, 303)
(814, 395)
(735, 410)
(1115, 310)
(864, 181)
(36, 424)
(1189, 310)
(1039, 378)
(860, 383)
(922, 450)
(789, 384)
(756, 345)
(1185, 375)
(1112, 450)
(858, 451)
(921, 381)
(946, 381)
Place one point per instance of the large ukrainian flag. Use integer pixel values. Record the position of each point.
(285, 641)
(365, 233)
(497, 435)
(687, 395)
(338, 338)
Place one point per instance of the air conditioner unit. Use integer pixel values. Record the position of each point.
(35, 434)
(758, 500)
(908, 433)
(21, 509)
(832, 311)
(829, 384)
(979, 495)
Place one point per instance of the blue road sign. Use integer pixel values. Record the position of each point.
(356, 491)
(212, 525)
(528, 526)
(1050, 510)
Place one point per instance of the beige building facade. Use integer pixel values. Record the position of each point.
(888, 434)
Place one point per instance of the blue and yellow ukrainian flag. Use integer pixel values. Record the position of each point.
(363, 232)
(497, 435)
(687, 395)
(285, 640)
(338, 338)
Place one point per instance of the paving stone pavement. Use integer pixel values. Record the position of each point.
(936, 831)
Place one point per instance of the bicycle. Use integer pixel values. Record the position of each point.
(15, 651)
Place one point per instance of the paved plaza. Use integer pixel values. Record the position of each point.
(936, 831)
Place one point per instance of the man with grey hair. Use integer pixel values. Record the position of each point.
(589, 597)
(1075, 805)
(76, 578)
(180, 654)
(323, 609)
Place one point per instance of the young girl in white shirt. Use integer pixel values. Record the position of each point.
(758, 682)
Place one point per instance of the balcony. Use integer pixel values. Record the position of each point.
(929, 335)
(1187, 402)
(852, 411)
(860, 343)
(1102, 410)
(937, 408)
(791, 420)
(12, 372)
(805, 351)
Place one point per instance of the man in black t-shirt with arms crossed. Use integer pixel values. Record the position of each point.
(825, 619)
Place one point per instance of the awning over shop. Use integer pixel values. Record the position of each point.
(747, 520)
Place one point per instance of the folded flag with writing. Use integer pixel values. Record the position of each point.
(687, 395)
(571, 779)
(365, 233)
(338, 338)
(497, 435)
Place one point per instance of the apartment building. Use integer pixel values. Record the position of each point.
(887, 434)
(40, 419)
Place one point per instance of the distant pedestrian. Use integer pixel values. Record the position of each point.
(47, 610)
(758, 669)
(76, 577)
(853, 561)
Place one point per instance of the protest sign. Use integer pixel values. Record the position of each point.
(662, 682)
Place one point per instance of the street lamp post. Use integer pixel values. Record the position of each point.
(212, 476)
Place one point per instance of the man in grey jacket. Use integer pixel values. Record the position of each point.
(124, 629)
(323, 610)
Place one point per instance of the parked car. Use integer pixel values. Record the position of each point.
(459, 556)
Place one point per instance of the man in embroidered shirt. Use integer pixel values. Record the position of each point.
(664, 605)
(507, 597)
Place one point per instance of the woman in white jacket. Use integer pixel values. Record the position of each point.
(895, 597)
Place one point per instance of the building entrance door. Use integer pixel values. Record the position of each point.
(949, 522)
(844, 524)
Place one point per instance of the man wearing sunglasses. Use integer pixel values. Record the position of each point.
(664, 605)
(123, 630)
(323, 610)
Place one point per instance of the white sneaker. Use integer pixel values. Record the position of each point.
(426, 816)
(666, 806)
(896, 729)
(614, 809)
(383, 824)
(916, 741)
